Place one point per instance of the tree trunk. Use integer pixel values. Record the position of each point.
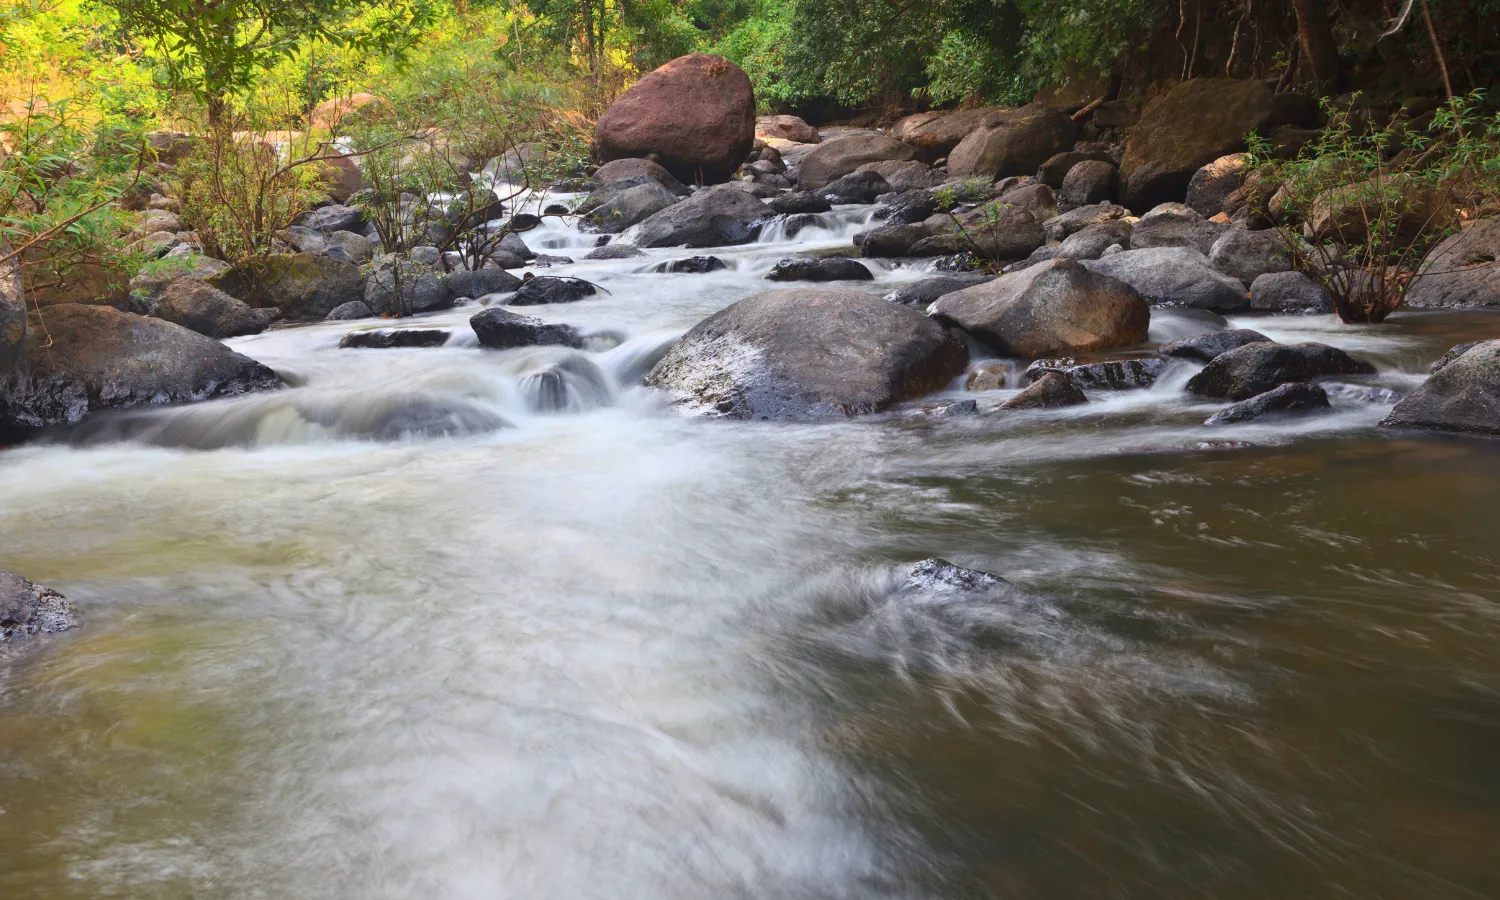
(1315, 34)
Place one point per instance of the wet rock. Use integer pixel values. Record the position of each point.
(1243, 372)
(12, 311)
(808, 354)
(27, 610)
(1461, 271)
(1175, 225)
(621, 204)
(1462, 396)
(614, 251)
(1173, 276)
(1108, 375)
(1017, 144)
(551, 289)
(856, 187)
(389, 338)
(354, 309)
(479, 282)
(953, 409)
(834, 159)
(502, 259)
(209, 311)
(990, 377)
(1247, 255)
(501, 329)
(715, 217)
(1056, 307)
(632, 168)
(514, 244)
(1207, 347)
(907, 207)
(830, 268)
(695, 116)
(788, 128)
(1060, 227)
(906, 175)
(794, 202)
(305, 287)
(1212, 184)
(693, 265)
(890, 241)
(1452, 354)
(1288, 398)
(421, 289)
(333, 218)
(1088, 183)
(547, 261)
(936, 581)
(101, 358)
(1093, 240)
(924, 292)
(1051, 391)
(1289, 292)
(349, 246)
(793, 225)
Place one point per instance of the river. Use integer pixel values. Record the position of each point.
(457, 623)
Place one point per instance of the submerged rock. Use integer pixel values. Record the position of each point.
(1206, 347)
(551, 289)
(27, 609)
(830, 268)
(614, 251)
(937, 580)
(1110, 375)
(1287, 398)
(1462, 396)
(1243, 372)
(385, 339)
(808, 354)
(1052, 391)
(501, 329)
(693, 265)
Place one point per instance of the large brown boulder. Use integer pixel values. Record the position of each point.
(12, 311)
(832, 160)
(1017, 144)
(808, 354)
(695, 116)
(787, 128)
(1462, 270)
(209, 311)
(1192, 125)
(100, 358)
(1052, 309)
(936, 134)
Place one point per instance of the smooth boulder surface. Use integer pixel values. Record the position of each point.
(209, 311)
(829, 268)
(1052, 391)
(1243, 372)
(27, 609)
(334, 217)
(925, 292)
(856, 187)
(1174, 276)
(1289, 292)
(787, 128)
(101, 358)
(1034, 197)
(147, 285)
(1209, 346)
(1087, 183)
(501, 329)
(394, 338)
(1018, 144)
(1463, 396)
(1054, 308)
(808, 354)
(479, 282)
(1287, 398)
(834, 159)
(997, 231)
(909, 207)
(716, 217)
(624, 169)
(621, 204)
(12, 311)
(1055, 170)
(1092, 241)
(422, 290)
(891, 241)
(1174, 225)
(354, 309)
(1060, 227)
(1461, 271)
(551, 289)
(935, 136)
(906, 175)
(1247, 255)
(1212, 184)
(794, 202)
(695, 116)
(614, 251)
(1453, 353)
(693, 265)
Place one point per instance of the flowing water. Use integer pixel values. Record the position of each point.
(456, 623)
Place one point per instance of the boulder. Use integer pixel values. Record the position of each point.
(795, 202)
(27, 609)
(693, 265)
(623, 169)
(1243, 372)
(1051, 391)
(1059, 227)
(100, 358)
(330, 112)
(1192, 125)
(1212, 184)
(340, 177)
(925, 292)
(1108, 375)
(422, 290)
(12, 311)
(394, 338)
(209, 311)
(891, 241)
(1174, 225)
(304, 286)
(935, 136)
(551, 289)
(1087, 183)
(1247, 255)
(1036, 198)
(808, 354)
(1461, 271)
(1056, 307)
(905, 175)
(171, 147)
(479, 282)
(829, 268)
(834, 159)
(1093, 240)
(147, 285)
(617, 208)
(1055, 170)
(1018, 144)
(695, 116)
(856, 187)
(1463, 396)
(997, 231)
(614, 251)
(907, 207)
(1210, 345)
(354, 309)
(154, 220)
(1173, 276)
(1410, 205)
(349, 246)
(936, 583)
(1287, 398)
(1289, 292)
(1453, 353)
(787, 128)
(715, 217)
(501, 329)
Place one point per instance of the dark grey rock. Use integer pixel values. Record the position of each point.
(1088, 183)
(422, 289)
(921, 293)
(1059, 227)
(501, 329)
(718, 216)
(1108, 375)
(479, 282)
(794, 202)
(1243, 372)
(693, 265)
(388, 338)
(1452, 354)
(1247, 255)
(209, 311)
(1173, 276)
(1092, 241)
(614, 251)
(551, 289)
(936, 582)
(1461, 271)
(856, 187)
(333, 218)
(1207, 347)
(27, 610)
(1287, 398)
(1051, 391)
(1289, 292)
(830, 268)
(907, 207)
(1175, 225)
(890, 241)
(1463, 396)
(626, 203)
(354, 309)
(304, 286)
